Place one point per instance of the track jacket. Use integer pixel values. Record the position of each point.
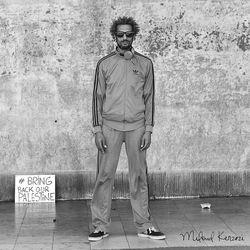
(123, 95)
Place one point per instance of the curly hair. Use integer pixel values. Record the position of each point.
(124, 20)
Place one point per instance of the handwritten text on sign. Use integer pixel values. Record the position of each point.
(34, 188)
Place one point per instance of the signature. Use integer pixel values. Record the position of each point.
(213, 236)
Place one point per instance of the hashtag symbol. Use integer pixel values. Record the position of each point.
(21, 181)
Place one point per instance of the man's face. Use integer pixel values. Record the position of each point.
(124, 36)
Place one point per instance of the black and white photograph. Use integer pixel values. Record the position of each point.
(124, 124)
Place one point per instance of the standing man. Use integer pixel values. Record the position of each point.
(123, 111)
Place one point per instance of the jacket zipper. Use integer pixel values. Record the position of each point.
(125, 93)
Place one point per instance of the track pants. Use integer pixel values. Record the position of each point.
(106, 167)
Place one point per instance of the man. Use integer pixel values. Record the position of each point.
(123, 111)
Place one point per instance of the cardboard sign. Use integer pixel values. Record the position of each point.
(34, 188)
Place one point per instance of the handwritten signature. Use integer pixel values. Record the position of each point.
(213, 236)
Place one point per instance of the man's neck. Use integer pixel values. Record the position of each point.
(122, 51)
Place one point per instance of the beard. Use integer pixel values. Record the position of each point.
(124, 45)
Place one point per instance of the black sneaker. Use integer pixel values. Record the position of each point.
(152, 233)
(97, 235)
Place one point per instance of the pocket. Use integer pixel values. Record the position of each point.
(106, 130)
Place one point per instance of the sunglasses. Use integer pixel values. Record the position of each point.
(121, 34)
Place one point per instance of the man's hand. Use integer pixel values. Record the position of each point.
(100, 142)
(145, 141)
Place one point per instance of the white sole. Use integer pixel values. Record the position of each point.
(152, 237)
(98, 238)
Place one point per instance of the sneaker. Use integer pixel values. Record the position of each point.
(152, 233)
(97, 235)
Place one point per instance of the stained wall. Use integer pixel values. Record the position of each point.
(201, 55)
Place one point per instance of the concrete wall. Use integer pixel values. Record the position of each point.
(201, 55)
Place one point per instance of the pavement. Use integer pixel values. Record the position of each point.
(66, 225)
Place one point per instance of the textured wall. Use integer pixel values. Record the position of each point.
(201, 55)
